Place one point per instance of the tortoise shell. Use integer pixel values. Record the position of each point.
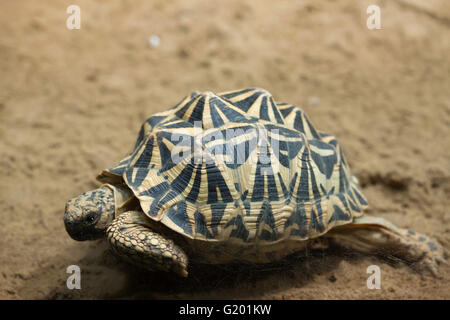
(236, 166)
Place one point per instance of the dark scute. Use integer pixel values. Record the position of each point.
(216, 180)
(266, 218)
(200, 225)
(303, 188)
(215, 117)
(146, 155)
(140, 175)
(338, 214)
(179, 216)
(180, 113)
(217, 210)
(182, 180)
(283, 186)
(161, 200)
(298, 221)
(360, 197)
(276, 112)
(263, 110)
(239, 231)
(325, 164)
(316, 218)
(245, 104)
(193, 194)
(292, 184)
(236, 93)
(197, 112)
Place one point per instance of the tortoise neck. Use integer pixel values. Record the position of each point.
(123, 198)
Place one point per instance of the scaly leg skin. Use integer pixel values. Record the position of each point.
(370, 234)
(131, 237)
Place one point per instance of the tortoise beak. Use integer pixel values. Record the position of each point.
(73, 227)
(75, 232)
(81, 233)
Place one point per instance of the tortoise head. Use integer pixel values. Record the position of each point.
(87, 216)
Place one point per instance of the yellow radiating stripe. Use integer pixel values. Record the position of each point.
(240, 97)
(191, 108)
(181, 104)
(206, 118)
(255, 108)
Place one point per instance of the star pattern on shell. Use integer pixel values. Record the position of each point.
(239, 166)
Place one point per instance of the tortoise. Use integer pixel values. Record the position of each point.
(234, 178)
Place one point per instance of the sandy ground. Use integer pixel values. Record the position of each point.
(71, 103)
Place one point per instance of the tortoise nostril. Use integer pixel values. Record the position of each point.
(68, 219)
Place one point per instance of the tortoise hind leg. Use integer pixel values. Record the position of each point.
(371, 234)
(132, 238)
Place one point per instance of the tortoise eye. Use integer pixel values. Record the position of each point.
(90, 217)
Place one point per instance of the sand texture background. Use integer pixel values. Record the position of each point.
(71, 104)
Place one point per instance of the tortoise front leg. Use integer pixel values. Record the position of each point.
(371, 235)
(131, 237)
